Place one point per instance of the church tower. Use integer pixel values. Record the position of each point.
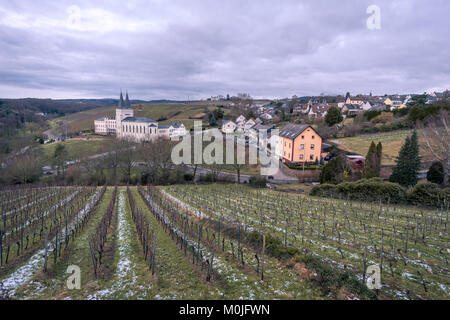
(123, 111)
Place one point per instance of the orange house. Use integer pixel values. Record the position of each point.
(301, 143)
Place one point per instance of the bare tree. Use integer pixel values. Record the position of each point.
(238, 168)
(112, 159)
(243, 100)
(436, 137)
(157, 157)
(215, 169)
(126, 152)
(25, 167)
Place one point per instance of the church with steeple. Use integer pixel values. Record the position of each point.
(126, 126)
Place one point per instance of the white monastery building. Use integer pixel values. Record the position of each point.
(126, 126)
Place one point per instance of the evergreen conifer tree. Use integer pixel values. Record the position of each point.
(408, 163)
(371, 162)
(378, 163)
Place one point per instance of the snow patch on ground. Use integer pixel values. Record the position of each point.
(125, 282)
(25, 273)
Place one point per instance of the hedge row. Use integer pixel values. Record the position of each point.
(429, 194)
(299, 166)
(426, 194)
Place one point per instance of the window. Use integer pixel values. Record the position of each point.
(311, 157)
(301, 157)
(312, 137)
(289, 144)
(285, 143)
(303, 137)
(302, 146)
(284, 153)
(312, 147)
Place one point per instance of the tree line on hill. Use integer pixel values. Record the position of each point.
(15, 113)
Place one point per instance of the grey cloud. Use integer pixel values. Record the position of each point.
(175, 49)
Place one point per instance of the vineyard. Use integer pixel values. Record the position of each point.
(215, 242)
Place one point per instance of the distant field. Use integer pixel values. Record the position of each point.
(391, 141)
(75, 149)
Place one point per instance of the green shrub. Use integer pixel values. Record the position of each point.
(371, 114)
(445, 195)
(298, 166)
(274, 246)
(372, 190)
(258, 181)
(429, 194)
(329, 277)
(206, 178)
(436, 173)
(323, 190)
(334, 170)
(374, 179)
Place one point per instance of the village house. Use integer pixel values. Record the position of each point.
(315, 108)
(350, 101)
(431, 98)
(301, 109)
(318, 111)
(266, 117)
(240, 119)
(228, 126)
(299, 143)
(261, 133)
(378, 106)
(249, 124)
(393, 104)
(352, 109)
(126, 126)
(176, 129)
(357, 162)
(366, 106)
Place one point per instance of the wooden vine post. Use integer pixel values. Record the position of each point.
(262, 259)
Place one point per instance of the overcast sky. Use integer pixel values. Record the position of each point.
(178, 49)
